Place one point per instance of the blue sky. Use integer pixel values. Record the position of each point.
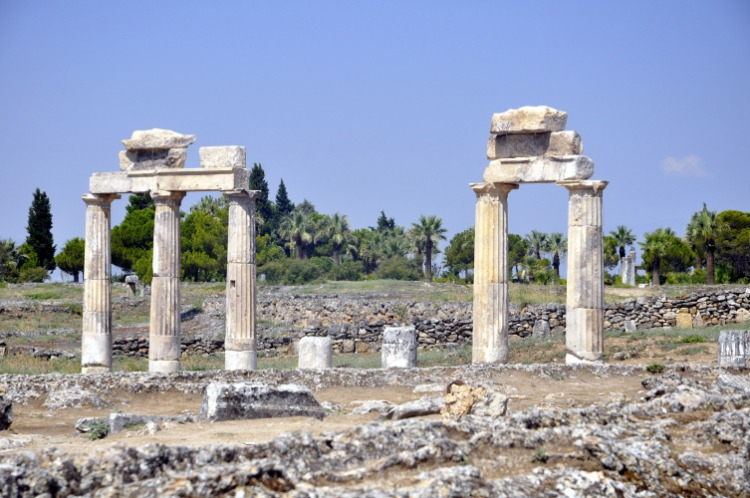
(369, 106)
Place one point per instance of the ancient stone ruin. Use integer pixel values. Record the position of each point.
(153, 162)
(530, 145)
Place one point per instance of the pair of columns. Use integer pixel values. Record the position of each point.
(164, 331)
(585, 292)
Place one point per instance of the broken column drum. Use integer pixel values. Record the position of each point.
(399, 348)
(531, 145)
(153, 163)
(315, 352)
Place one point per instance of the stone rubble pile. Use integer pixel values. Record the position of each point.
(689, 435)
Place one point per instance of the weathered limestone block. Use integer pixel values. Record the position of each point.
(539, 169)
(315, 352)
(558, 143)
(528, 119)
(183, 180)
(734, 348)
(742, 316)
(399, 349)
(242, 401)
(131, 281)
(6, 414)
(463, 399)
(152, 159)
(684, 321)
(157, 138)
(222, 157)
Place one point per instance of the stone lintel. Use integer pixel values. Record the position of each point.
(528, 119)
(539, 169)
(184, 180)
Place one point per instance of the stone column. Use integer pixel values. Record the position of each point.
(584, 316)
(239, 342)
(164, 336)
(96, 337)
(490, 336)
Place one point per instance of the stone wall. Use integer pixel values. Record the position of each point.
(355, 324)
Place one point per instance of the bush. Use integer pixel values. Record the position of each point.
(35, 274)
(655, 368)
(349, 270)
(397, 268)
(99, 430)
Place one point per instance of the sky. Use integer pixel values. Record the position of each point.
(382, 105)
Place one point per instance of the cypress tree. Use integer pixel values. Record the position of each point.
(262, 205)
(283, 205)
(39, 230)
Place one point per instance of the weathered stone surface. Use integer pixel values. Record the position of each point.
(539, 169)
(399, 349)
(528, 119)
(6, 413)
(152, 159)
(183, 180)
(734, 348)
(222, 157)
(157, 138)
(558, 143)
(684, 321)
(315, 352)
(742, 316)
(541, 329)
(239, 401)
(417, 408)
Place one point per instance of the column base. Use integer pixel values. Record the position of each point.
(571, 359)
(164, 366)
(96, 351)
(240, 360)
(95, 370)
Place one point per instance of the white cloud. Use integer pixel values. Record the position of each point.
(687, 166)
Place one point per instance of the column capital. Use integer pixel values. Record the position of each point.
(167, 197)
(492, 188)
(594, 185)
(240, 195)
(99, 199)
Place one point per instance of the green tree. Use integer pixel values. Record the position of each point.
(557, 245)
(459, 255)
(385, 223)
(39, 230)
(537, 243)
(517, 250)
(733, 244)
(283, 205)
(429, 230)
(297, 229)
(339, 234)
(534, 270)
(610, 252)
(71, 258)
(10, 261)
(133, 239)
(702, 230)
(204, 245)
(623, 237)
(663, 252)
(263, 207)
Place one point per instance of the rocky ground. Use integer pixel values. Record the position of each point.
(611, 430)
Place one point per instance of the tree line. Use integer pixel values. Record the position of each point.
(296, 244)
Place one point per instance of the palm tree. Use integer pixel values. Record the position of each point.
(557, 245)
(339, 235)
(297, 230)
(429, 230)
(624, 237)
(693, 239)
(655, 246)
(704, 233)
(537, 242)
(9, 259)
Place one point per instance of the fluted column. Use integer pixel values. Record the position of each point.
(96, 337)
(239, 342)
(584, 316)
(164, 335)
(490, 336)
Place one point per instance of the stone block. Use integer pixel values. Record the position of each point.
(539, 169)
(242, 401)
(180, 180)
(315, 352)
(157, 138)
(541, 329)
(347, 346)
(230, 156)
(6, 414)
(684, 321)
(528, 119)
(742, 316)
(151, 159)
(734, 348)
(559, 143)
(399, 348)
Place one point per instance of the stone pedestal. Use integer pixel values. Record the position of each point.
(490, 336)
(164, 335)
(96, 337)
(584, 335)
(628, 269)
(399, 349)
(734, 348)
(239, 342)
(315, 352)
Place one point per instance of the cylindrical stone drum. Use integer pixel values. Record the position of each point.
(399, 348)
(315, 352)
(734, 348)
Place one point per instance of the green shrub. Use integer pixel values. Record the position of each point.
(99, 430)
(35, 274)
(539, 456)
(398, 268)
(655, 368)
(692, 338)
